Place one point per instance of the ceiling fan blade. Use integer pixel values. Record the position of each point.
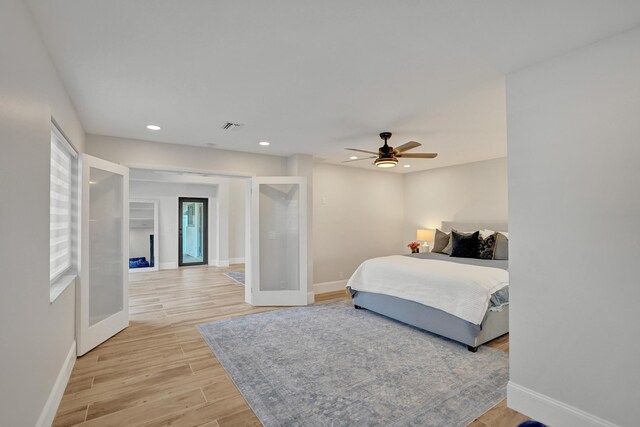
(407, 146)
(357, 160)
(362, 151)
(417, 155)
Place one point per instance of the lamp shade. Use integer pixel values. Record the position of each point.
(424, 235)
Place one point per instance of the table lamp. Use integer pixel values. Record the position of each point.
(425, 236)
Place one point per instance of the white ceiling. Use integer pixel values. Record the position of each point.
(312, 76)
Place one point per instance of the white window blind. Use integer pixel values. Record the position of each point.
(60, 205)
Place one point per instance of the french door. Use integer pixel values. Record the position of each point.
(102, 300)
(193, 231)
(277, 267)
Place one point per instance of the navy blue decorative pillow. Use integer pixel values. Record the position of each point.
(464, 246)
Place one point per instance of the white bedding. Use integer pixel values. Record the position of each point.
(458, 289)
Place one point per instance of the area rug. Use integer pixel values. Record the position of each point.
(332, 365)
(237, 276)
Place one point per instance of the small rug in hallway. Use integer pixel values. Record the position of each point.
(332, 365)
(236, 276)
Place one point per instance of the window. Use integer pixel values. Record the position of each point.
(62, 218)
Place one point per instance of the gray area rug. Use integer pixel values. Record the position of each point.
(237, 276)
(332, 365)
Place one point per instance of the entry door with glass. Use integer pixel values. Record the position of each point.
(103, 308)
(277, 267)
(192, 231)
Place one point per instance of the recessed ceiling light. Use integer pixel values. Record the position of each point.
(92, 182)
(407, 166)
(264, 143)
(354, 157)
(153, 127)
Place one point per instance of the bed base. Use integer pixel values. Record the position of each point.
(495, 323)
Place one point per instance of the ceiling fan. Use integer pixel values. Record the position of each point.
(387, 157)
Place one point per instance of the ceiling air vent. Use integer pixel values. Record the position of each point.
(231, 126)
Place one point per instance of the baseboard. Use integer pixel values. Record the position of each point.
(548, 410)
(213, 263)
(143, 269)
(168, 265)
(55, 397)
(324, 287)
(311, 297)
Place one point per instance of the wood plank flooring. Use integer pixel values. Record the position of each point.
(160, 372)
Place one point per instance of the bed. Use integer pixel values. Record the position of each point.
(464, 299)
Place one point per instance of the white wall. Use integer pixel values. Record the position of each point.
(167, 196)
(139, 242)
(573, 132)
(131, 151)
(357, 215)
(473, 192)
(303, 165)
(36, 335)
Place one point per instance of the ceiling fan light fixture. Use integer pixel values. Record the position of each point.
(387, 162)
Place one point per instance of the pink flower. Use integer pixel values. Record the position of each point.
(413, 245)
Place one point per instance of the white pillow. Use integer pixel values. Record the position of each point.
(486, 233)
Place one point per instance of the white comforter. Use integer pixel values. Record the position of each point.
(458, 289)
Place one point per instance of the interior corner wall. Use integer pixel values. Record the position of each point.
(472, 192)
(36, 335)
(573, 139)
(357, 215)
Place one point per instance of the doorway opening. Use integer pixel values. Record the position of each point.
(192, 231)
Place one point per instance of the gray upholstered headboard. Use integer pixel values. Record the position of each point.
(473, 226)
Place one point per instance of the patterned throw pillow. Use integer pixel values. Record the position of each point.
(486, 246)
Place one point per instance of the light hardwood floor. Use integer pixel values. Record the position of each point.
(160, 372)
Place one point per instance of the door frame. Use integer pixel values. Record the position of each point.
(156, 227)
(88, 337)
(205, 230)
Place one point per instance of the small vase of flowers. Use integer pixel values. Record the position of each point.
(415, 247)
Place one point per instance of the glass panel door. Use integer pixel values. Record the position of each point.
(105, 244)
(192, 231)
(103, 296)
(279, 241)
